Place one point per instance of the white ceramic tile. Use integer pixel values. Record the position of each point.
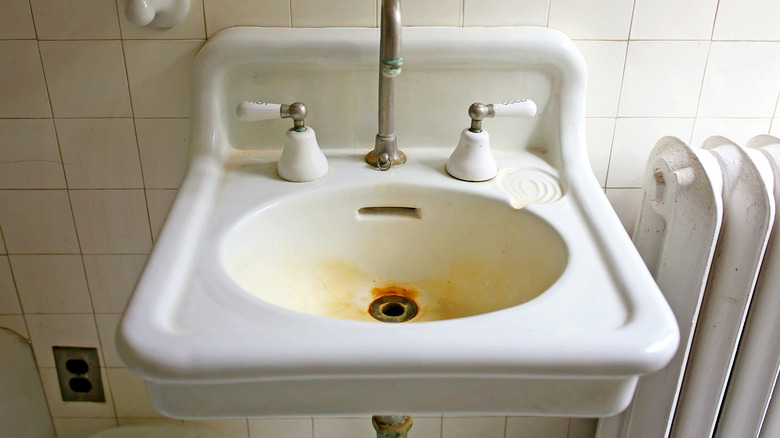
(742, 80)
(37, 222)
(16, 21)
(164, 146)
(343, 428)
(663, 78)
(634, 139)
(221, 14)
(15, 323)
(426, 427)
(21, 81)
(130, 397)
(605, 61)
(78, 88)
(431, 13)
(29, 157)
(626, 203)
(51, 283)
(160, 202)
(74, 330)
(99, 153)
(81, 427)
(739, 131)
(582, 427)
(75, 19)
(111, 221)
(63, 409)
(673, 19)
(159, 74)
(9, 300)
(276, 427)
(191, 27)
(318, 13)
(467, 427)
(106, 326)
(747, 20)
(592, 19)
(505, 13)
(598, 135)
(227, 428)
(534, 427)
(111, 279)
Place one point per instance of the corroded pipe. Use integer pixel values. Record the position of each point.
(392, 426)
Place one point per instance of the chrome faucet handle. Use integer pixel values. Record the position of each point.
(252, 111)
(522, 108)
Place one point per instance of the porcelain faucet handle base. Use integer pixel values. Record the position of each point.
(302, 160)
(472, 160)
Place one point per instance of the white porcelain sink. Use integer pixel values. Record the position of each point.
(530, 297)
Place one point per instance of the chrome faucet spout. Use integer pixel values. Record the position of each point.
(386, 153)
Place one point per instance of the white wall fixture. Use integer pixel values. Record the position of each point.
(675, 233)
(264, 297)
(156, 13)
(758, 356)
(749, 211)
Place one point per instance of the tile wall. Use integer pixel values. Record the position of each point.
(94, 129)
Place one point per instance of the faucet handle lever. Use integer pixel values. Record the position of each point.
(522, 108)
(252, 111)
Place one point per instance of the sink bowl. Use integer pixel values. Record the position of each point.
(334, 253)
(518, 295)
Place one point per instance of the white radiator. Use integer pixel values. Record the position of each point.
(707, 231)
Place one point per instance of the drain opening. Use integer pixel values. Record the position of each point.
(393, 308)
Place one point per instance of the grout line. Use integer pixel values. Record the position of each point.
(463, 13)
(714, 20)
(205, 23)
(506, 422)
(771, 122)
(137, 145)
(549, 9)
(631, 23)
(289, 7)
(704, 75)
(701, 93)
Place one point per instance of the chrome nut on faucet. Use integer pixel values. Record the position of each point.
(472, 160)
(301, 160)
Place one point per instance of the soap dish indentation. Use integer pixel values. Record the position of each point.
(530, 186)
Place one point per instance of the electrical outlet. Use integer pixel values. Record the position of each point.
(78, 370)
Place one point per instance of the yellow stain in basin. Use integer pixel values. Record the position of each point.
(468, 287)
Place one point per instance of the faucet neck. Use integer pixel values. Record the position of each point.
(390, 39)
(386, 153)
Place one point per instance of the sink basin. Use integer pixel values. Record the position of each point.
(333, 253)
(404, 291)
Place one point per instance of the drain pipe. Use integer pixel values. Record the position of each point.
(392, 426)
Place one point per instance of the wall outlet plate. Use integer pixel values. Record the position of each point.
(78, 370)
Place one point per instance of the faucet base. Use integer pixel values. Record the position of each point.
(388, 146)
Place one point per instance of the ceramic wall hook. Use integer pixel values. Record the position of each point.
(156, 13)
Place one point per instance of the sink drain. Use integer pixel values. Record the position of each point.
(393, 308)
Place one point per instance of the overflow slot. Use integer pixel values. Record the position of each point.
(390, 212)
